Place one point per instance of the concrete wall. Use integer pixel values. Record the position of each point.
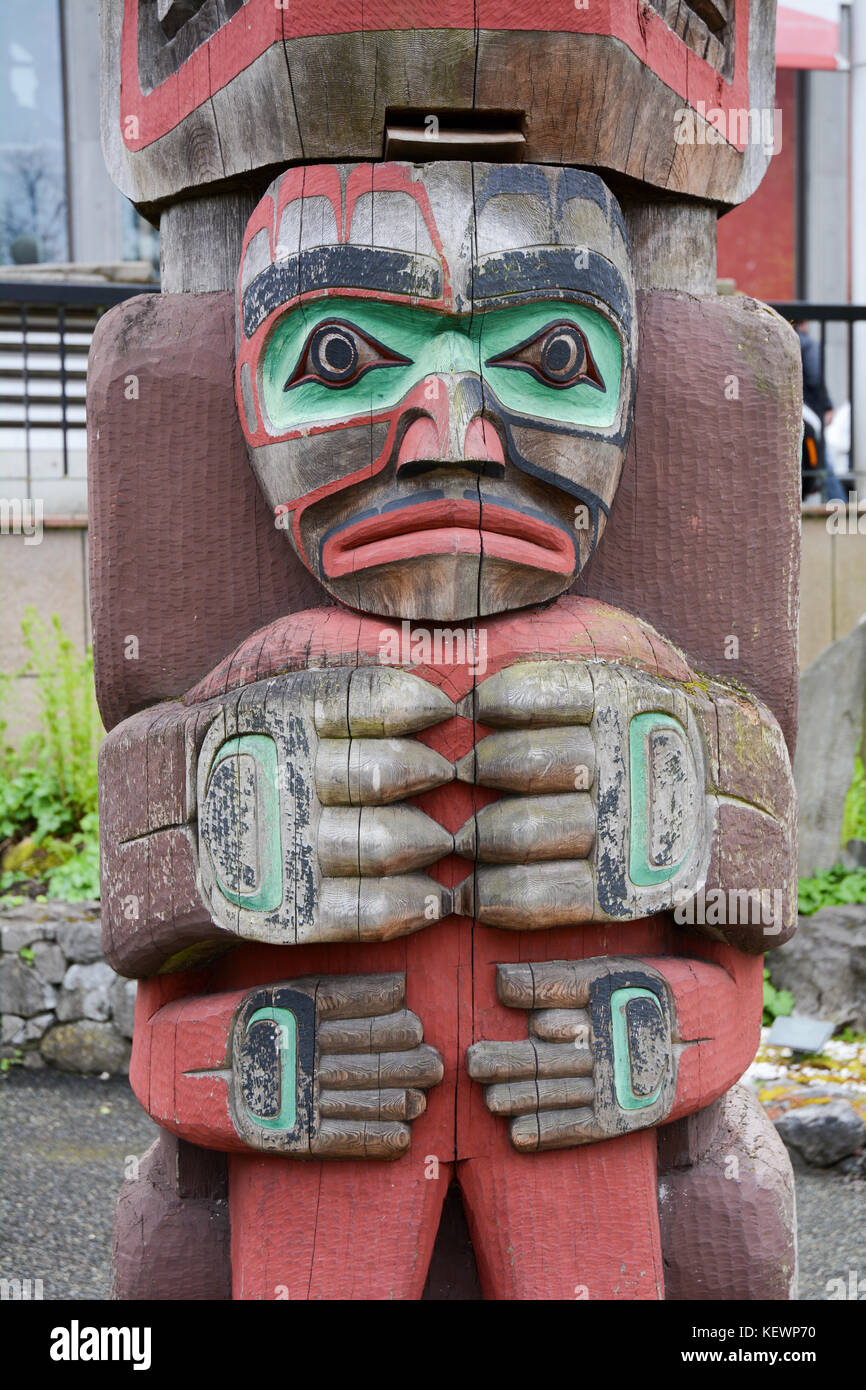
(52, 575)
(832, 583)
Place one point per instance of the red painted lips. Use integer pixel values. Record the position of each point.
(448, 527)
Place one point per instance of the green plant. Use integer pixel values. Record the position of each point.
(27, 955)
(854, 815)
(778, 1003)
(832, 888)
(49, 830)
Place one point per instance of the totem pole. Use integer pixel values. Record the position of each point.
(444, 584)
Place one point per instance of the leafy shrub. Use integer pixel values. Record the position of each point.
(778, 1003)
(49, 830)
(832, 888)
(854, 816)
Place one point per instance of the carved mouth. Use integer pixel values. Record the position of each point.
(448, 526)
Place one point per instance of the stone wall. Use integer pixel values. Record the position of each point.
(61, 1005)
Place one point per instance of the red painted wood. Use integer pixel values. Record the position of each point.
(571, 628)
(260, 23)
(576, 1224)
(339, 1230)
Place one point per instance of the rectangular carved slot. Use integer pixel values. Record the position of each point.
(422, 136)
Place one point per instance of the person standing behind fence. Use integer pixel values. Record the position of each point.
(817, 404)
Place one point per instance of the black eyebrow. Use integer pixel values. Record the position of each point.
(339, 267)
(541, 269)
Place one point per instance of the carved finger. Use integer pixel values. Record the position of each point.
(375, 771)
(553, 984)
(347, 1072)
(525, 1060)
(353, 996)
(372, 1105)
(553, 1129)
(361, 1139)
(546, 760)
(396, 1032)
(376, 909)
(560, 1025)
(376, 840)
(525, 1097)
(524, 830)
(381, 703)
(536, 694)
(555, 894)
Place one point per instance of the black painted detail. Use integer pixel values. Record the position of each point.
(508, 273)
(339, 267)
(256, 1065)
(650, 1051)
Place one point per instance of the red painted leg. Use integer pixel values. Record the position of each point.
(334, 1231)
(578, 1223)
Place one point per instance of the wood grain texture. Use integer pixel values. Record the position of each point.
(674, 498)
(201, 1073)
(173, 503)
(332, 74)
(608, 1248)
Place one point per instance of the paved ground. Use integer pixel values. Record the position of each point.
(66, 1139)
(64, 1143)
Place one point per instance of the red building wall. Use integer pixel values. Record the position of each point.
(757, 241)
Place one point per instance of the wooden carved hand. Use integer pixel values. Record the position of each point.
(279, 812)
(329, 1067)
(601, 1056)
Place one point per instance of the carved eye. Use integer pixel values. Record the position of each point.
(338, 354)
(559, 356)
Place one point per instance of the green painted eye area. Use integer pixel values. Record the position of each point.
(337, 354)
(559, 356)
(334, 359)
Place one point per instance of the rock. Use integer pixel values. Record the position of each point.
(49, 961)
(30, 1029)
(822, 1134)
(9, 1026)
(854, 1166)
(86, 1046)
(21, 990)
(122, 997)
(85, 992)
(80, 940)
(832, 721)
(15, 934)
(824, 966)
(32, 1060)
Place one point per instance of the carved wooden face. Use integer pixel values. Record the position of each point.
(435, 377)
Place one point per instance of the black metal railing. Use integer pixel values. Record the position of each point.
(803, 311)
(45, 333)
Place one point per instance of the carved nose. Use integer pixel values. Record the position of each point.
(449, 431)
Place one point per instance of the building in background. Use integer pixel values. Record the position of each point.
(791, 239)
(57, 203)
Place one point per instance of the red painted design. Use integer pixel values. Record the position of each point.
(259, 24)
(448, 527)
(572, 628)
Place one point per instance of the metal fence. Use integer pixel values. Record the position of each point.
(45, 333)
(850, 365)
